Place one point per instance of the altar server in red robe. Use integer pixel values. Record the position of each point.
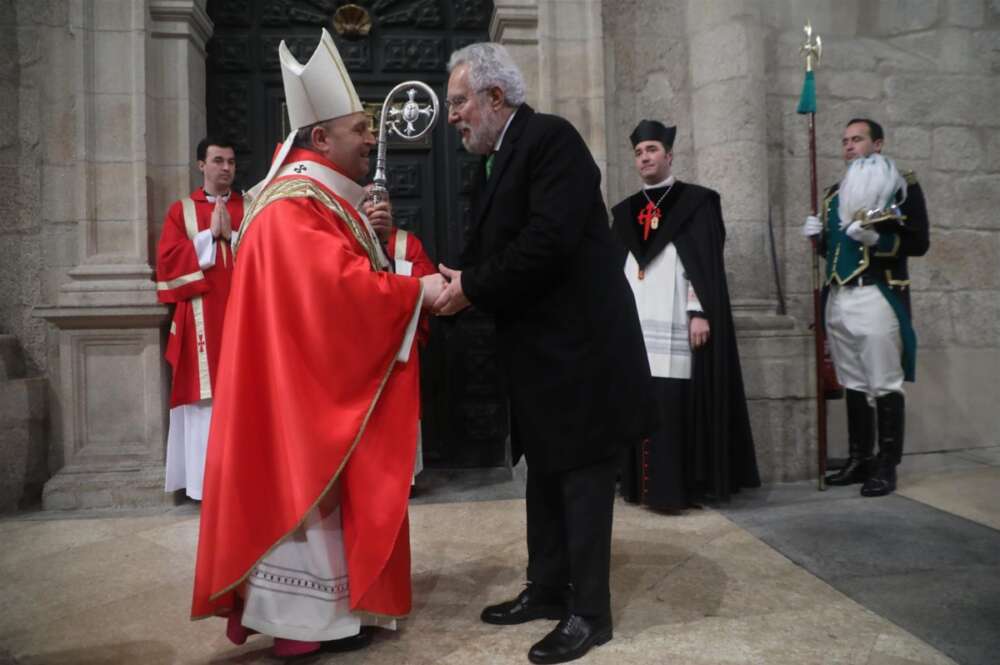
(304, 532)
(194, 268)
(408, 258)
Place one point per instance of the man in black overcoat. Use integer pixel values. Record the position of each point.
(672, 238)
(541, 259)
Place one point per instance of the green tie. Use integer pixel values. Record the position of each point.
(489, 164)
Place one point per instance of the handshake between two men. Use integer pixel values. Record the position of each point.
(442, 291)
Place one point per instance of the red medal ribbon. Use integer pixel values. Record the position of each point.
(646, 217)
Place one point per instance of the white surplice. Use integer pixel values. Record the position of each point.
(664, 297)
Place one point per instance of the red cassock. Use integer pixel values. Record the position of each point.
(310, 392)
(420, 266)
(200, 296)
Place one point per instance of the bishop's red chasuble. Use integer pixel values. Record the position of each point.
(199, 294)
(315, 386)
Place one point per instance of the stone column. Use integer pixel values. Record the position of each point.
(559, 48)
(728, 86)
(728, 112)
(176, 97)
(109, 450)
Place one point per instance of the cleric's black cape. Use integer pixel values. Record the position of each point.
(720, 457)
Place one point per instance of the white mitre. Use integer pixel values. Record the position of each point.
(317, 91)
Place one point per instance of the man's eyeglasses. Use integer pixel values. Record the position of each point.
(456, 103)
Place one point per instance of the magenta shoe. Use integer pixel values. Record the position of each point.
(235, 630)
(290, 648)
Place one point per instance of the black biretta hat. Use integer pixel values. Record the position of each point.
(653, 130)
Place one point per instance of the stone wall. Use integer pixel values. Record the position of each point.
(929, 71)
(646, 63)
(24, 26)
(557, 45)
(107, 102)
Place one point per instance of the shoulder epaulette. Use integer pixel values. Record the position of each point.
(910, 177)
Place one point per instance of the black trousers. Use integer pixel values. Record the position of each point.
(569, 533)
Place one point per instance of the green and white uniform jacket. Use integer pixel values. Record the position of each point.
(884, 264)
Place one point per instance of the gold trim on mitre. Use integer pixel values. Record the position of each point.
(319, 90)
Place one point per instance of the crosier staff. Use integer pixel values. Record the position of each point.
(813, 49)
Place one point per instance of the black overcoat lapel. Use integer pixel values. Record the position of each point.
(500, 163)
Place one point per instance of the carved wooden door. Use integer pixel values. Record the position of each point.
(382, 42)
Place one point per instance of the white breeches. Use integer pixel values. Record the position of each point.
(865, 341)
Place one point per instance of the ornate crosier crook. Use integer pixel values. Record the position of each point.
(402, 120)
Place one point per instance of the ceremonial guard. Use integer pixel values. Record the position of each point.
(672, 236)
(871, 222)
(194, 267)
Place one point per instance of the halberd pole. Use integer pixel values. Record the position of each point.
(813, 49)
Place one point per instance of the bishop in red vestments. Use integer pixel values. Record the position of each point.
(304, 532)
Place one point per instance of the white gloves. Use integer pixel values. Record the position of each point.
(812, 227)
(855, 231)
(866, 236)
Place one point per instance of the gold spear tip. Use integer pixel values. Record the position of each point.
(811, 49)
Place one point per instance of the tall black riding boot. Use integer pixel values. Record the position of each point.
(860, 441)
(891, 413)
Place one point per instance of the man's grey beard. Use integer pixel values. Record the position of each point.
(870, 183)
(482, 139)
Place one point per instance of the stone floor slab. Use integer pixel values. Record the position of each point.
(989, 455)
(955, 608)
(973, 494)
(695, 589)
(928, 570)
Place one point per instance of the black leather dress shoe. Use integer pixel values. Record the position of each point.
(535, 602)
(571, 639)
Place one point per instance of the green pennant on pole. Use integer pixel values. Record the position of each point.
(813, 50)
(807, 100)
